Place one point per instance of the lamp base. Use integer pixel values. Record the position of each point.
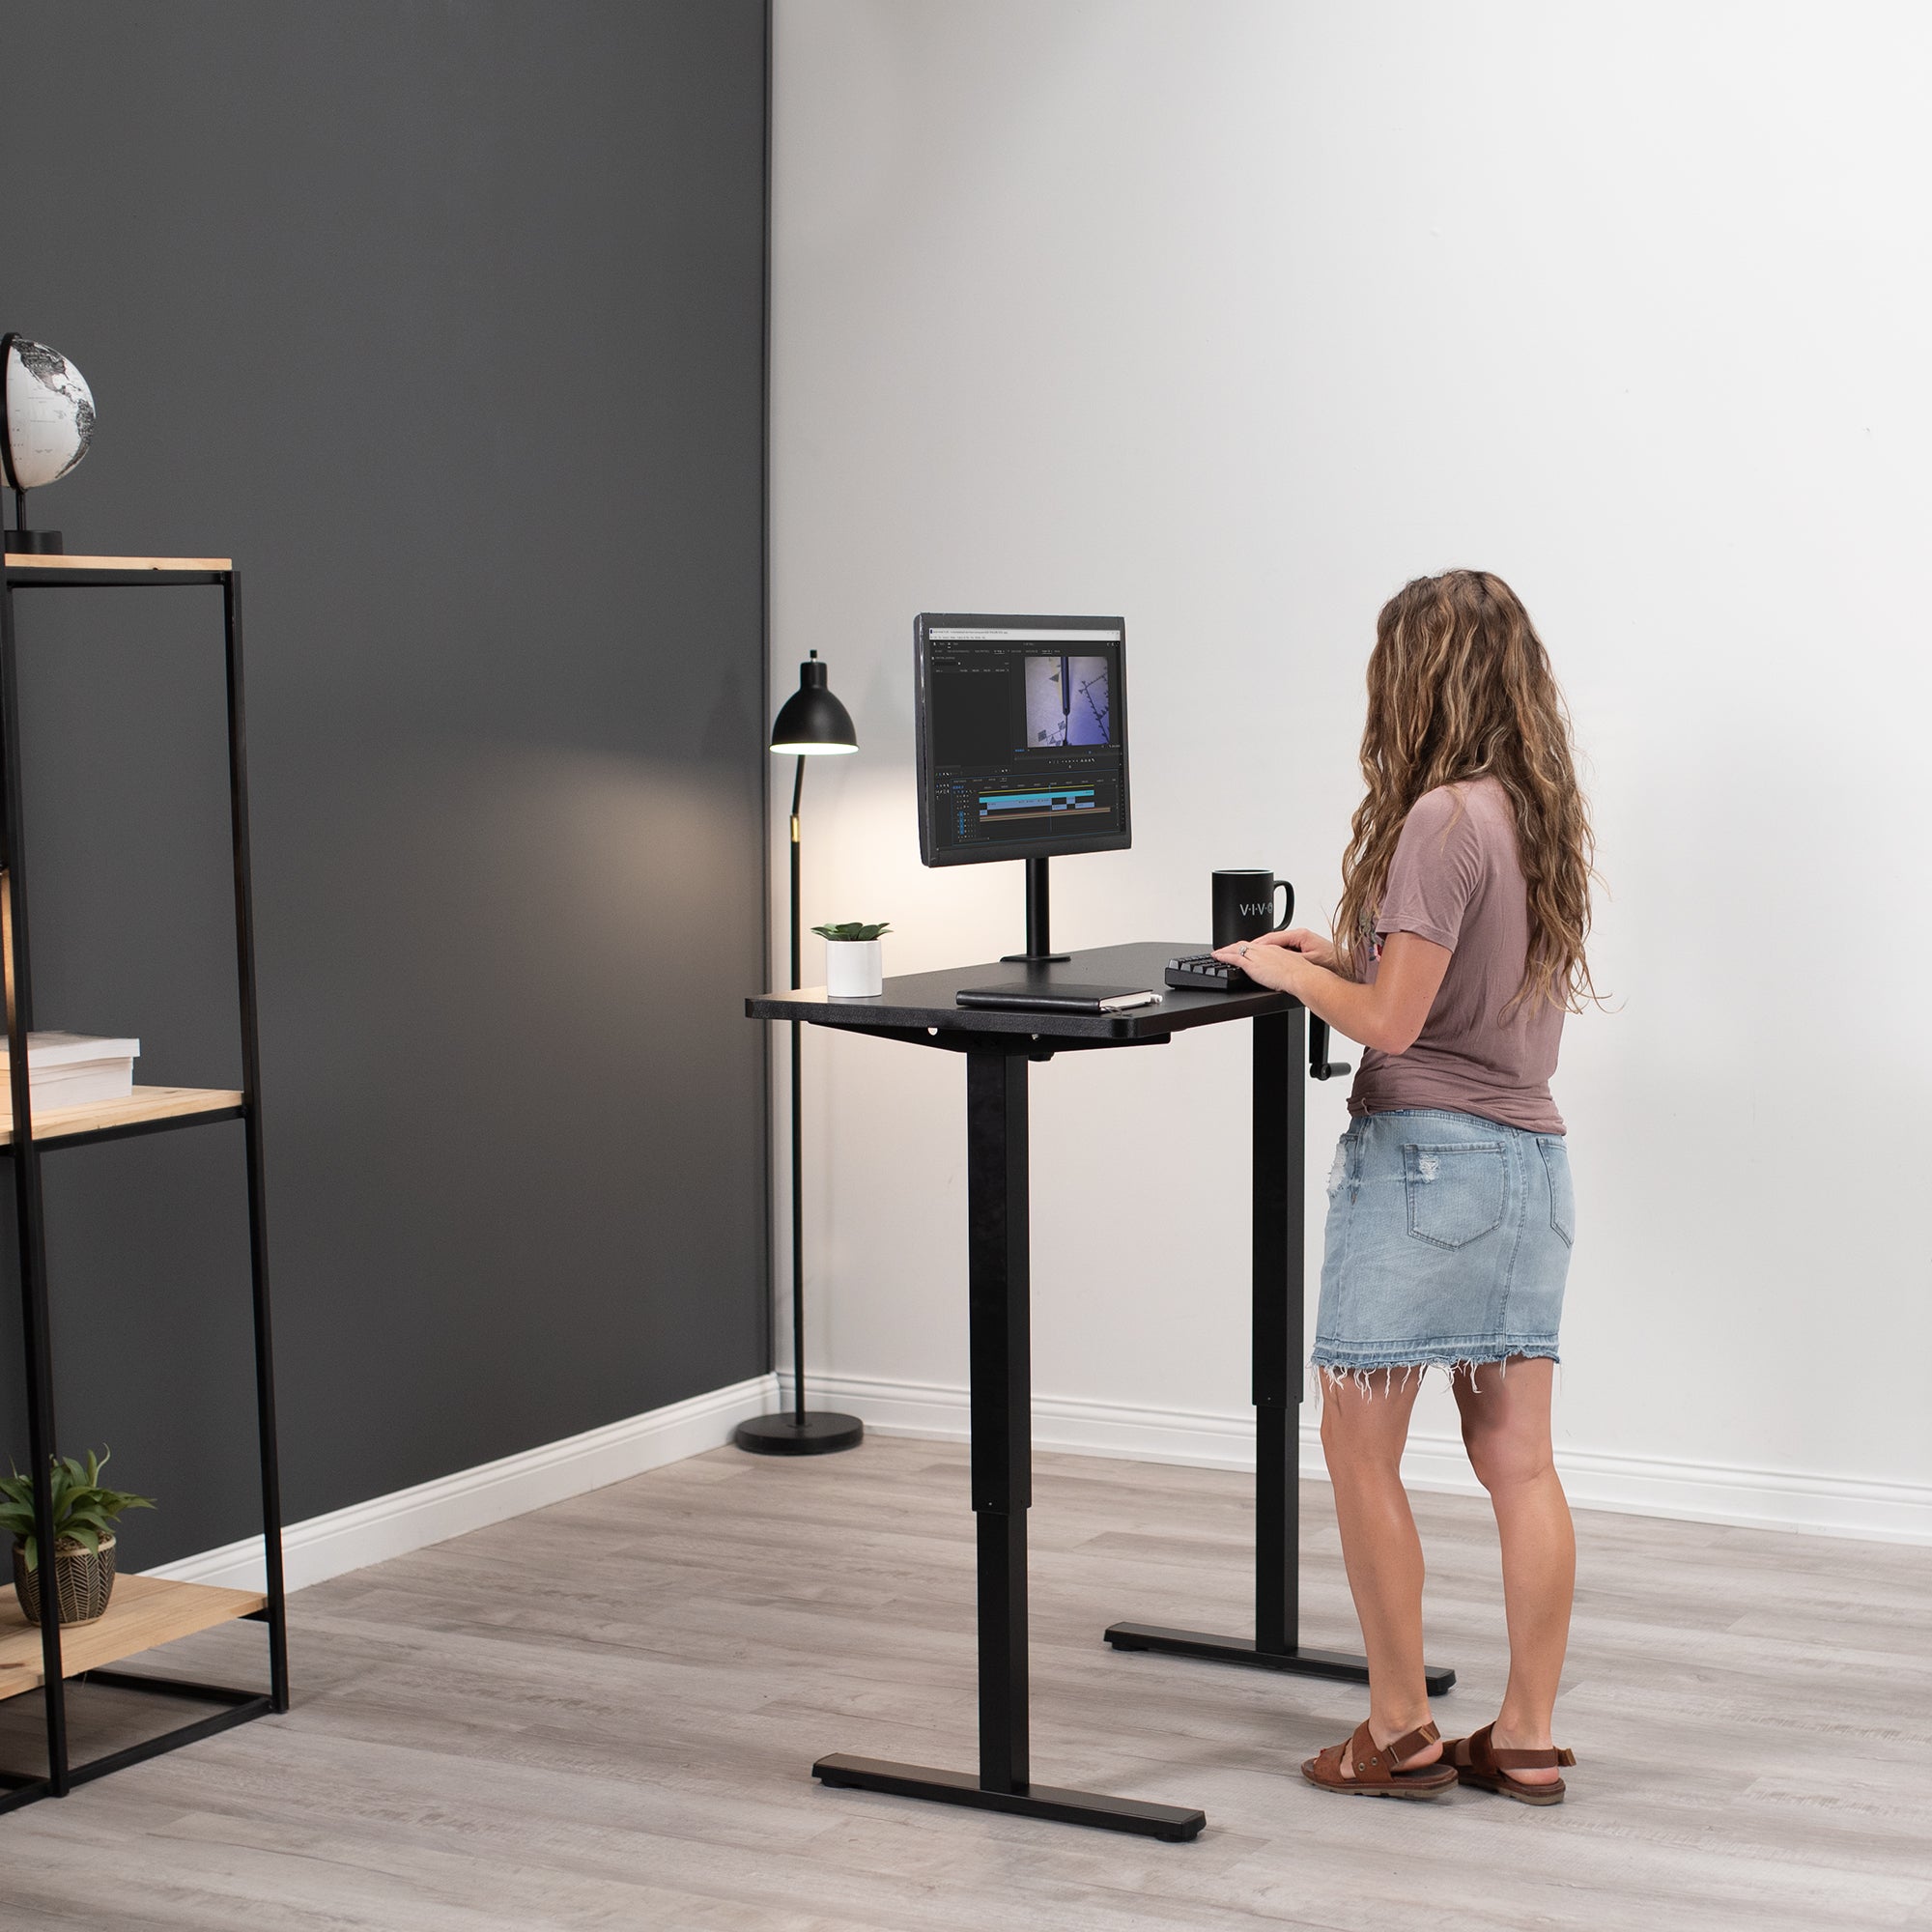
(34, 543)
(781, 1435)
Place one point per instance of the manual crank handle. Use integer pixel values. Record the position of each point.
(1319, 1065)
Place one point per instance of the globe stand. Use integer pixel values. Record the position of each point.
(24, 541)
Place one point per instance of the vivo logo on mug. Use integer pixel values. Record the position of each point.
(1245, 905)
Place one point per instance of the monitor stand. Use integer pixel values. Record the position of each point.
(1039, 946)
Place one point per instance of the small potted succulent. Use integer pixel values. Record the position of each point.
(852, 965)
(84, 1516)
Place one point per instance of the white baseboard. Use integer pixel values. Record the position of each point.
(413, 1518)
(1635, 1485)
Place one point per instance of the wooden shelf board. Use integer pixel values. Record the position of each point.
(143, 1612)
(145, 1103)
(39, 561)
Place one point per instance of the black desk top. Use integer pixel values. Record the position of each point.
(921, 1000)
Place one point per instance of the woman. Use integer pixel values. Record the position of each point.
(1458, 947)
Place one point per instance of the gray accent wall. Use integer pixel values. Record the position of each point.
(446, 322)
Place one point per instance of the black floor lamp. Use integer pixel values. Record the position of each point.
(811, 723)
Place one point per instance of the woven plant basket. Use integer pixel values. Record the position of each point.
(83, 1583)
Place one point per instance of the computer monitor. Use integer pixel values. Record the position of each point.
(1021, 726)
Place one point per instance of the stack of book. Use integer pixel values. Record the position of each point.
(69, 1069)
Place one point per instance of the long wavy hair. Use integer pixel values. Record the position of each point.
(1460, 688)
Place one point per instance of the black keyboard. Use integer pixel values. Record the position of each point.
(1203, 973)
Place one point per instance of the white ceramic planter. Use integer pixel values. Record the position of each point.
(854, 968)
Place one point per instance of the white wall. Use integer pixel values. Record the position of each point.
(1233, 315)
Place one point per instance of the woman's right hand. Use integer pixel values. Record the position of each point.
(1311, 945)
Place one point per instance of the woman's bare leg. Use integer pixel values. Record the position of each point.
(1506, 1430)
(1362, 1437)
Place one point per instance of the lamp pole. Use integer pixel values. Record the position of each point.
(811, 720)
(797, 1126)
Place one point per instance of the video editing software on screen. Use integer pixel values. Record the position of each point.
(1025, 742)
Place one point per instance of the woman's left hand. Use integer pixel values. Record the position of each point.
(1278, 968)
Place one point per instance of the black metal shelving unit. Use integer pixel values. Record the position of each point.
(145, 1611)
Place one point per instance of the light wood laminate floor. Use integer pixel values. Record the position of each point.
(602, 1715)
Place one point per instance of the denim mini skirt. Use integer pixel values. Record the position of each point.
(1448, 1244)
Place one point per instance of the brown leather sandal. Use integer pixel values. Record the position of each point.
(1487, 1767)
(1375, 1767)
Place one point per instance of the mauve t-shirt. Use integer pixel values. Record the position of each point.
(1455, 880)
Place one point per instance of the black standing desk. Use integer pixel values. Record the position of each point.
(999, 1044)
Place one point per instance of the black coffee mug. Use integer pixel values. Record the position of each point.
(1245, 905)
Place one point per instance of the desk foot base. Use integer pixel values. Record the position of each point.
(1176, 1823)
(1301, 1661)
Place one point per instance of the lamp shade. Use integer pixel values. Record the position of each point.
(813, 721)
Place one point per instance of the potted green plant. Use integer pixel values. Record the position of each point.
(853, 969)
(84, 1517)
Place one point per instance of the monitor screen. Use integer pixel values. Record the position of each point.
(1022, 737)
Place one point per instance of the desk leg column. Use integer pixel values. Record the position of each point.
(1280, 1156)
(1001, 1355)
(1002, 1427)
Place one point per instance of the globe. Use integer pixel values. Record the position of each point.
(49, 414)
